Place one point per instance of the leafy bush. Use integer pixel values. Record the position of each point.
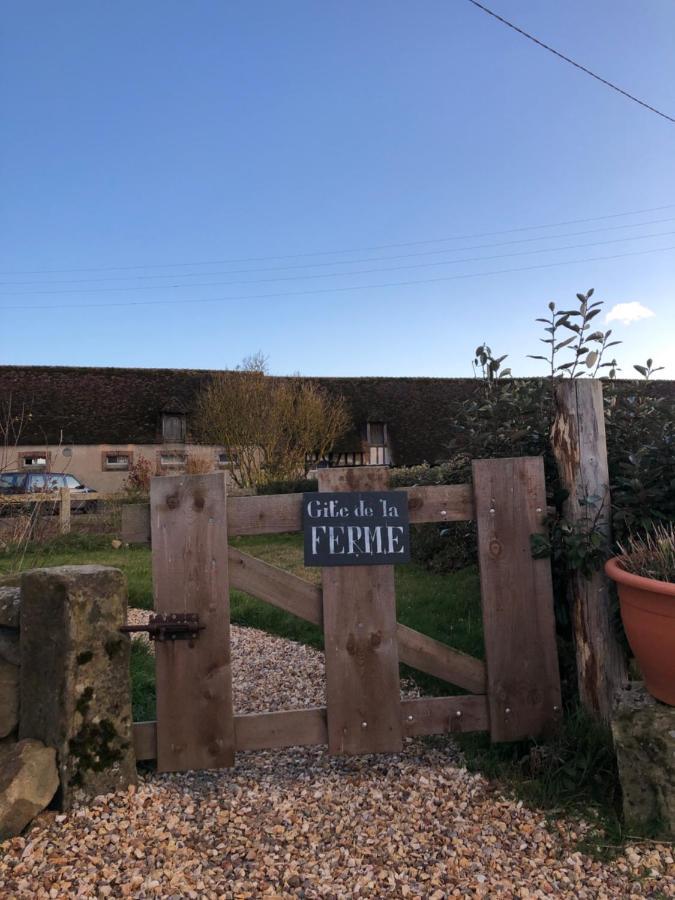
(641, 456)
(441, 548)
(290, 486)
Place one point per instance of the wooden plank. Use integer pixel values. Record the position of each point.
(444, 715)
(64, 510)
(275, 586)
(190, 575)
(517, 598)
(359, 621)
(254, 731)
(55, 497)
(440, 503)
(285, 728)
(437, 659)
(307, 727)
(580, 450)
(271, 514)
(145, 741)
(283, 512)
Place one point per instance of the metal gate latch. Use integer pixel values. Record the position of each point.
(169, 627)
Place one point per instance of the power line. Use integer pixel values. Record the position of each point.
(577, 65)
(243, 259)
(444, 262)
(333, 290)
(345, 262)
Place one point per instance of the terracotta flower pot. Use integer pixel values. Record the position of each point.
(648, 615)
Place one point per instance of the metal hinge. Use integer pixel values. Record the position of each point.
(169, 627)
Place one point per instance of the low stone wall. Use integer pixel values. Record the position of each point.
(64, 688)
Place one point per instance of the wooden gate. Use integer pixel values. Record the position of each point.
(513, 694)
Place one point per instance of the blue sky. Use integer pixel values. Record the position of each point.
(223, 147)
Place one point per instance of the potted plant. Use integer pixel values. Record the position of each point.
(645, 576)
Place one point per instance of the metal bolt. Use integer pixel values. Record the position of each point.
(364, 724)
(556, 708)
(410, 718)
(492, 510)
(459, 713)
(507, 710)
(539, 509)
(444, 512)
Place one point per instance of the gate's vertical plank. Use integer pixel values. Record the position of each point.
(517, 598)
(195, 722)
(363, 695)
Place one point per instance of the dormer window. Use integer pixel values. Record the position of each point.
(174, 422)
(378, 444)
(173, 427)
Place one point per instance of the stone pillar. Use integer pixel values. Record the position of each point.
(644, 738)
(9, 659)
(75, 688)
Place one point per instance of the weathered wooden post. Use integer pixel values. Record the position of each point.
(64, 510)
(523, 682)
(580, 450)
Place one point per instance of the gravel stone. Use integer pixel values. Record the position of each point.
(300, 824)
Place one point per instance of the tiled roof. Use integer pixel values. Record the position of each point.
(119, 406)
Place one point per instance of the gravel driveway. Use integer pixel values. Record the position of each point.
(298, 823)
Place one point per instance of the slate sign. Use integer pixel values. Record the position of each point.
(360, 528)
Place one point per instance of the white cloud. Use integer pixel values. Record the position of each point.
(626, 313)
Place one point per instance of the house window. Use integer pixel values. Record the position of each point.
(223, 460)
(173, 427)
(172, 460)
(376, 436)
(35, 461)
(116, 461)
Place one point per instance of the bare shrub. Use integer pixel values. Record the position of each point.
(268, 426)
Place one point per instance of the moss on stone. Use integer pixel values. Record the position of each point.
(95, 747)
(84, 700)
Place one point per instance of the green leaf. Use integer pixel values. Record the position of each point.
(641, 370)
(591, 358)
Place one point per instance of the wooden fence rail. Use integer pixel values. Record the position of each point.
(63, 498)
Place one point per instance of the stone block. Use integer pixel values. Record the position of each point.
(10, 605)
(75, 690)
(9, 645)
(28, 782)
(644, 738)
(136, 523)
(9, 697)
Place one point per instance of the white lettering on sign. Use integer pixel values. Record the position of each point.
(352, 539)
